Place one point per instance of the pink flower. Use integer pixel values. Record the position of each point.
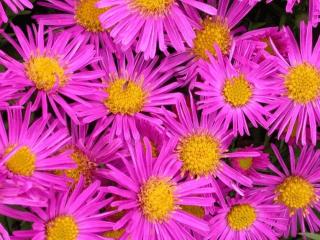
(151, 194)
(52, 71)
(134, 89)
(151, 25)
(295, 189)
(295, 107)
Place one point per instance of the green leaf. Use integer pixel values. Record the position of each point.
(311, 236)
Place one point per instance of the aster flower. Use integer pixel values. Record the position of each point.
(150, 193)
(296, 108)
(50, 70)
(236, 94)
(295, 189)
(90, 152)
(146, 24)
(250, 165)
(15, 6)
(211, 32)
(202, 145)
(77, 17)
(135, 89)
(30, 151)
(250, 217)
(70, 215)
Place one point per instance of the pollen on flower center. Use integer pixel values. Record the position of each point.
(62, 227)
(87, 15)
(303, 83)
(241, 217)
(22, 162)
(295, 193)
(200, 154)
(152, 7)
(84, 167)
(45, 72)
(214, 31)
(237, 91)
(125, 97)
(157, 199)
(245, 163)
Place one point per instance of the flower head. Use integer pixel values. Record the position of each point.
(236, 94)
(294, 188)
(151, 195)
(78, 17)
(202, 145)
(295, 107)
(70, 215)
(212, 33)
(30, 151)
(249, 217)
(145, 24)
(50, 70)
(135, 89)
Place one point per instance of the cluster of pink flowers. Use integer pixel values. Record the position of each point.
(121, 119)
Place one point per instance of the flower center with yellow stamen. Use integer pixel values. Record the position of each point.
(84, 167)
(245, 163)
(200, 154)
(62, 227)
(157, 199)
(125, 97)
(194, 210)
(214, 31)
(45, 72)
(237, 91)
(87, 15)
(303, 83)
(296, 193)
(152, 7)
(241, 217)
(22, 162)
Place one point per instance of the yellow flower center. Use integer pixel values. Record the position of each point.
(241, 217)
(115, 234)
(157, 199)
(152, 7)
(87, 15)
(214, 31)
(62, 227)
(200, 154)
(45, 72)
(245, 163)
(84, 167)
(295, 193)
(22, 162)
(237, 91)
(303, 83)
(125, 97)
(194, 210)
